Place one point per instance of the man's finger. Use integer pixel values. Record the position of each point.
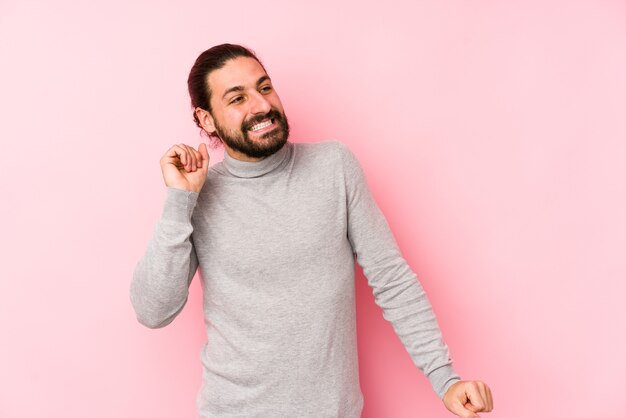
(489, 398)
(458, 409)
(195, 156)
(484, 393)
(205, 154)
(471, 407)
(190, 157)
(474, 396)
(198, 157)
(174, 155)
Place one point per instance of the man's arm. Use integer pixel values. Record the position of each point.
(161, 279)
(402, 298)
(160, 284)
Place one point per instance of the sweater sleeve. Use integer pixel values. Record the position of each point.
(395, 286)
(161, 279)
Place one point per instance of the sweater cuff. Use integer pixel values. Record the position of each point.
(179, 205)
(442, 378)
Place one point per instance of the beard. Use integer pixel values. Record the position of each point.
(269, 143)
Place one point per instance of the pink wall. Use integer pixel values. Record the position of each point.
(492, 133)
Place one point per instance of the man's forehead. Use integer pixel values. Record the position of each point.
(241, 71)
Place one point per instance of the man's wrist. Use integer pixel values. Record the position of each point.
(442, 378)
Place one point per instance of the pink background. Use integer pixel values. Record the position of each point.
(492, 134)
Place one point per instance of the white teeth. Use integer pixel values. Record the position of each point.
(261, 125)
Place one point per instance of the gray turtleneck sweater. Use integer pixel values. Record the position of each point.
(275, 242)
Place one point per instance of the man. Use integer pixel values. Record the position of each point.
(275, 229)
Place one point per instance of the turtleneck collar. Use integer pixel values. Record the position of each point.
(257, 168)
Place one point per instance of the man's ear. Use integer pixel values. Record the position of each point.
(206, 120)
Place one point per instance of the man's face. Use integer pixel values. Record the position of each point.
(246, 111)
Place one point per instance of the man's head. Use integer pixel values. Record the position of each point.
(234, 101)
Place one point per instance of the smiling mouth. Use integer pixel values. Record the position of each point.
(261, 125)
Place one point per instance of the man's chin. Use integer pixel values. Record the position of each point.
(259, 147)
(268, 146)
(274, 138)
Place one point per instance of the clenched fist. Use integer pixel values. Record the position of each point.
(465, 398)
(185, 168)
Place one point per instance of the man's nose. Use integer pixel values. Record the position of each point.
(259, 104)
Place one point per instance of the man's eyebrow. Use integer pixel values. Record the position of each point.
(260, 81)
(263, 79)
(232, 89)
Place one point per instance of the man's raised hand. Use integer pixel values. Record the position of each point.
(185, 168)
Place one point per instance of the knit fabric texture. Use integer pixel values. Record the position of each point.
(276, 242)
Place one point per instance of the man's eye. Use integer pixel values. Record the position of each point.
(266, 89)
(236, 100)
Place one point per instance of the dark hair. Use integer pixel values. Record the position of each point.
(210, 60)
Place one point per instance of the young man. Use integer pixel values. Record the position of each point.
(275, 229)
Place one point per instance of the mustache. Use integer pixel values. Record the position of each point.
(272, 114)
